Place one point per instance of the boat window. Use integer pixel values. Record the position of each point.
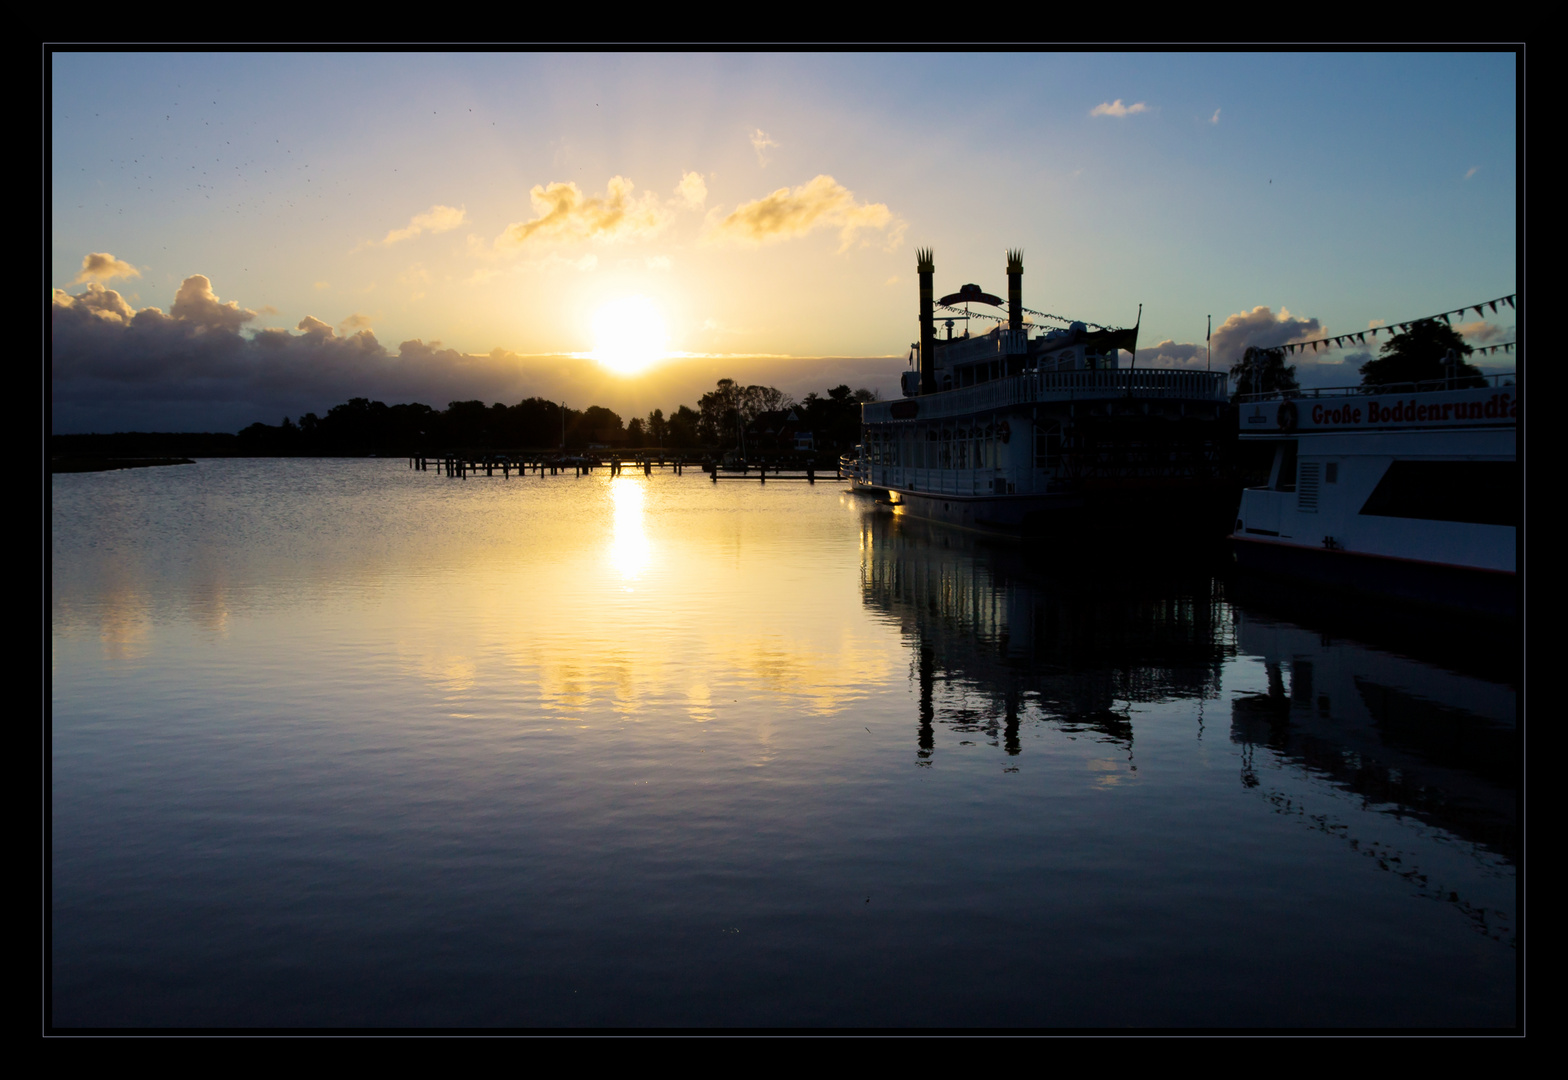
(1285, 475)
(1255, 461)
(1477, 492)
(1048, 445)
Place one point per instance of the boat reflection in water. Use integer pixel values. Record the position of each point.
(998, 635)
(1417, 718)
(1372, 762)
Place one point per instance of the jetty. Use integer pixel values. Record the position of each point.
(504, 463)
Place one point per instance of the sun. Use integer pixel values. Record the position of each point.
(629, 335)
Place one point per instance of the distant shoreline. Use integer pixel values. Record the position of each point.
(105, 464)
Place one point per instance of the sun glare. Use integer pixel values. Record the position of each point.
(629, 335)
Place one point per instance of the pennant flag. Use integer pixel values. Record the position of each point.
(1508, 300)
(1479, 313)
(1445, 319)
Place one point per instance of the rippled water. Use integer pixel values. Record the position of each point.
(337, 743)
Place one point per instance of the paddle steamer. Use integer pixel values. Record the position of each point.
(1032, 432)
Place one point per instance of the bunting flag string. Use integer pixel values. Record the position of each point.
(1338, 341)
(1039, 314)
(1027, 311)
(972, 314)
(1064, 319)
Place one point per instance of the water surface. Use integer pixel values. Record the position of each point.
(340, 744)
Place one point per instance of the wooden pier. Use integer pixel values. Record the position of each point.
(504, 463)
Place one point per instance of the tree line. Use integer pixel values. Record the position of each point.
(1418, 354)
(716, 423)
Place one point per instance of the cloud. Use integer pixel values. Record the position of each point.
(658, 262)
(355, 321)
(101, 266)
(438, 219)
(691, 191)
(1481, 332)
(1260, 327)
(562, 212)
(760, 142)
(197, 304)
(97, 301)
(1215, 118)
(1472, 171)
(155, 372)
(1116, 108)
(788, 213)
(1169, 353)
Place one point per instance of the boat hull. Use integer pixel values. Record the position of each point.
(1492, 593)
(1135, 515)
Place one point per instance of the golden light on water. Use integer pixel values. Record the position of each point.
(629, 335)
(630, 550)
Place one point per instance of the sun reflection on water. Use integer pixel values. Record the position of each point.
(630, 549)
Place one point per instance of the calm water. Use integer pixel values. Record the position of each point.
(337, 743)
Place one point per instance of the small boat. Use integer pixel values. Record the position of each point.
(1412, 492)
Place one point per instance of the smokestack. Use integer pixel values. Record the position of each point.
(1015, 289)
(926, 267)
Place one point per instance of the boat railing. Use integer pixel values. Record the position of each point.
(1032, 387)
(1457, 382)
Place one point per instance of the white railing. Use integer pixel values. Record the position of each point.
(1457, 382)
(1033, 387)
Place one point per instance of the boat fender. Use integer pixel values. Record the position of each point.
(1004, 431)
(1286, 417)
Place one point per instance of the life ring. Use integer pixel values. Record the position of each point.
(1004, 431)
(1286, 417)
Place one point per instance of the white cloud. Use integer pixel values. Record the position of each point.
(196, 303)
(1260, 327)
(562, 212)
(760, 142)
(438, 219)
(788, 213)
(101, 266)
(1116, 108)
(692, 191)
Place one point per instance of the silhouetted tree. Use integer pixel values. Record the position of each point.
(596, 425)
(658, 427)
(684, 423)
(1420, 354)
(1263, 371)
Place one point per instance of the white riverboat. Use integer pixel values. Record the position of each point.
(1409, 491)
(1010, 432)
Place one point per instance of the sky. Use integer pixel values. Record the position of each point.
(238, 237)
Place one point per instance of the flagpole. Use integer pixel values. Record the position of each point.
(1208, 343)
